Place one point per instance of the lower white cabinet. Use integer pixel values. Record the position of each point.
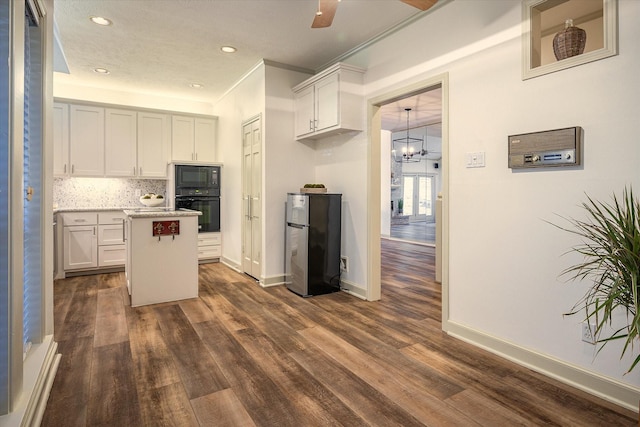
(80, 247)
(93, 240)
(111, 247)
(209, 246)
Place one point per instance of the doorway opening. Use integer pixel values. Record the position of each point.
(418, 188)
(411, 172)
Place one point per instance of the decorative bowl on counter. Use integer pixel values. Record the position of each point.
(152, 200)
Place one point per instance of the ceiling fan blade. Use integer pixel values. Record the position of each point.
(420, 4)
(328, 9)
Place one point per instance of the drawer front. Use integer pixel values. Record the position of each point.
(111, 217)
(110, 235)
(206, 252)
(79, 218)
(209, 239)
(111, 256)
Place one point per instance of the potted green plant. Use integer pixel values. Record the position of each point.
(400, 206)
(610, 245)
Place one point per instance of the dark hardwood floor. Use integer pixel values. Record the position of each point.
(240, 355)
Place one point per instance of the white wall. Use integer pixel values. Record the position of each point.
(244, 101)
(341, 166)
(504, 259)
(288, 165)
(63, 88)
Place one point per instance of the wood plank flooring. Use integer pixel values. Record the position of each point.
(240, 355)
(415, 232)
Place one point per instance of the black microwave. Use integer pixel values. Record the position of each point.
(197, 177)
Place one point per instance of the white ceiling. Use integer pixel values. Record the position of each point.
(161, 46)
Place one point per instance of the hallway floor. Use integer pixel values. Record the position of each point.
(242, 355)
(420, 232)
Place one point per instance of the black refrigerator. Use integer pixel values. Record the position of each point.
(312, 243)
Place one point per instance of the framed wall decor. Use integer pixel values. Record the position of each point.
(559, 34)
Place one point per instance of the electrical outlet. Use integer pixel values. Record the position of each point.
(344, 264)
(587, 333)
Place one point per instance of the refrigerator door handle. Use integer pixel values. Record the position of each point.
(290, 224)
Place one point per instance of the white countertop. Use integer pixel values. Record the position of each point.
(159, 212)
(136, 211)
(121, 208)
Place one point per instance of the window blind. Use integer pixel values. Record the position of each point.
(32, 266)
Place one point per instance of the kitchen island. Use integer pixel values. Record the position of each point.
(162, 255)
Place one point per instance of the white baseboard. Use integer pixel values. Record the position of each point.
(598, 385)
(40, 369)
(268, 282)
(353, 289)
(231, 264)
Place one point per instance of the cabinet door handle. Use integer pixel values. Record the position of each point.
(72, 169)
(134, 170)
(94, 231)
(80, 220)
(123, 236)
(65, 168)
(140, 170)
(196, 156)
(310, 124)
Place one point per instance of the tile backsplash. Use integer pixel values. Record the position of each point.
(103, 192)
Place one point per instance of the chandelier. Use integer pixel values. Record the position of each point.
(409, 150)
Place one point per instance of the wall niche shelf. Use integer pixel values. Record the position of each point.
(543, 19)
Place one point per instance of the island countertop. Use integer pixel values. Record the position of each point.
(159, 212)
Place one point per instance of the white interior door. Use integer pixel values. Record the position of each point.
(251, 197)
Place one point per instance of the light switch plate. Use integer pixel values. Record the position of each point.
(475, 159)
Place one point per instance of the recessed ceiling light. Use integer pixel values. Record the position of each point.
(228, 49)
(100, 21)
(196, 85)
(101, 70)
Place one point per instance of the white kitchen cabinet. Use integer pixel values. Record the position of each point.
(204, 139)
(154, 144)
(137, 144)
(329, 103)
(209, 246)
(80, 240)
(80, 247)
(192, 139)
(161, 269)
(86, 140)
(111, 244)
(60, 139)
(93, 240)
(120, 141)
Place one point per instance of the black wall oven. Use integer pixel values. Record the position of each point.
(198, 188)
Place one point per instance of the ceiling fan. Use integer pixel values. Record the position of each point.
(327, 10)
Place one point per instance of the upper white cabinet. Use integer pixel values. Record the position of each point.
(103, 140)
(120, 138)
(86, 140)
(329, 103)
(154, 144)
(60, 139)
(204, 139)
(192, 139)
(137, 143)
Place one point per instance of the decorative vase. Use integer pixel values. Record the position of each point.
(570, 41)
